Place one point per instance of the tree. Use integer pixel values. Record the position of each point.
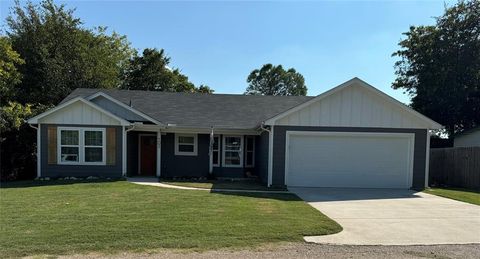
(439, 67)
(9, 75)
(151, 72)
(274, 80)
(17, 141)
(60, 55)
(48, 54)
(13, 116)
(205, 89)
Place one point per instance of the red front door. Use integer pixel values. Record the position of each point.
(148, 155)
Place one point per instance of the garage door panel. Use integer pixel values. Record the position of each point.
(365, 160)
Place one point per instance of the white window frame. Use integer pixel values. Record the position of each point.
(216, 150)
(250, 151)
(195, 145)
(81, 146)
(224, 150)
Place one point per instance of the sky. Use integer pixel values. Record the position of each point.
(219, 43)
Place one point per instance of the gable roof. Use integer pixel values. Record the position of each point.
(222, 111)
(125, 106)
(356, 81)
(34, 120)
(228, 111)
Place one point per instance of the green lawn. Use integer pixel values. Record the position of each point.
(222, 184)
(464, 195)
(118, 216)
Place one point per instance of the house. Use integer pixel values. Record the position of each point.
(350, 136)
(469, 138)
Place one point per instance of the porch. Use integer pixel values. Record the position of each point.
(172, 155)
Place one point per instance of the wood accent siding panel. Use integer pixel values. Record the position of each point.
(353, 106)
(52, 145)
(111, 146)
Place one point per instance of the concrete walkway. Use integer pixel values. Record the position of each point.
(151, 181)
(393, 217)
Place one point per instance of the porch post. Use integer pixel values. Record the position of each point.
(159, 153)
(124, 151)
(210, 153)
(39, 151)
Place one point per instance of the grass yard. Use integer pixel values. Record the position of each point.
(109, 217)
(221, 184)
(464, 195)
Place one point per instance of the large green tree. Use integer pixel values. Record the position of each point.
(439, 67)
(9, 75)
(45, 55)
(274, 80)
(60, 55)
(151, 72)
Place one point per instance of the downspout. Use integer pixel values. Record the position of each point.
(270, 152)
(38, 149)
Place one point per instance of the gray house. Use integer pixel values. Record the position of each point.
(469, 138)
(350, 136)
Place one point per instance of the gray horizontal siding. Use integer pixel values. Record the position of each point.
(132, 152)
(56, 170)
(194, 166)
(185, 166)
(261, 156)
(279, 138)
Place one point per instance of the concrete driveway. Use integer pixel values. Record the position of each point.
(393, 217)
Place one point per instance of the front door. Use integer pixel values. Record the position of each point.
(148, 155)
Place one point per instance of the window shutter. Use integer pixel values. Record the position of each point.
(111, 150)
(52, 145)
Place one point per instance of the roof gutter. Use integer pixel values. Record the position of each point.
(173, 128)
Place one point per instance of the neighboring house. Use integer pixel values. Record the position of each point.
(469, 138)
(350, 136)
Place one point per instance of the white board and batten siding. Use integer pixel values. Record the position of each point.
(81, 114)
(353, 106)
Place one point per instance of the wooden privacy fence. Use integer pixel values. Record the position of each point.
(456, 167)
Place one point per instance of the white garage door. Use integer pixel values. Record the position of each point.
(357, 160)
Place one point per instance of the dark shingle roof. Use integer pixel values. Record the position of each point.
(201, 110)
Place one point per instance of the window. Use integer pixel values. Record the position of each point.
(216, 151)
(69, 146)
(93, 146)
(185, 145)
(232, 151)
(250, 151)
(81, 146)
